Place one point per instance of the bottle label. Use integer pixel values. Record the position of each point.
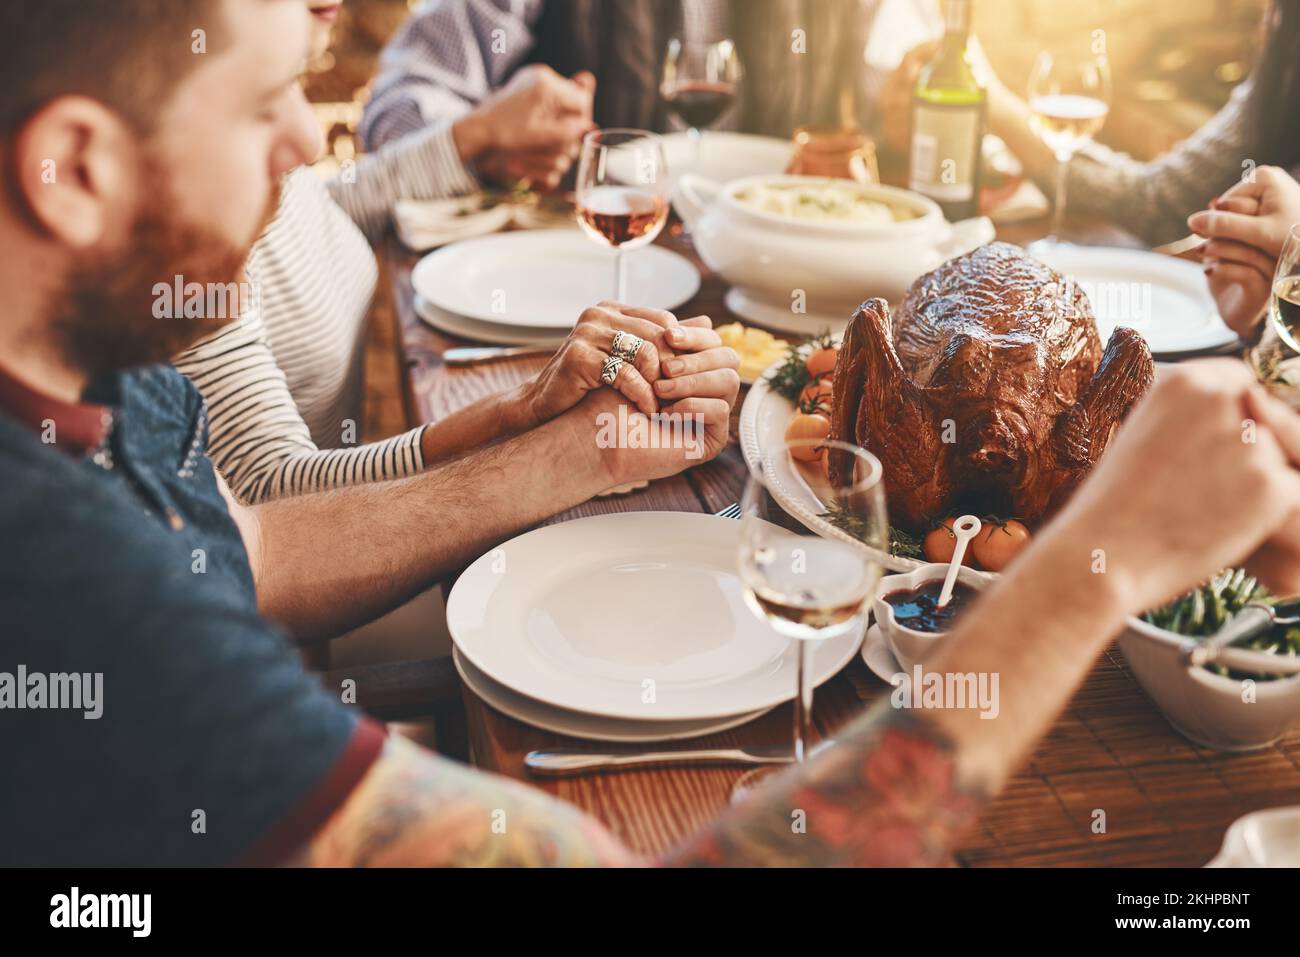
(944, 145)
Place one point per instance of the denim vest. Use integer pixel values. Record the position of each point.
(156, 449)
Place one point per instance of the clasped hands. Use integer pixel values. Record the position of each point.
(678, 392)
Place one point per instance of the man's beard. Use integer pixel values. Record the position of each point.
(104, 316)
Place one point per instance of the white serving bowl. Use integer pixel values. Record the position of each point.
(1204, 707)
(767, 256)
(909, 646)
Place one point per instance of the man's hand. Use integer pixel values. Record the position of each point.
(1200, 477)
(707, 368)
(530, 129)
(1246, 228)
(626, 445)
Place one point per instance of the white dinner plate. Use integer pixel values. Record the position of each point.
(1164, 298)
(636, 615)
(575, 724)
(763, 420)
(544, 278)
(488, 332)
(725, 156)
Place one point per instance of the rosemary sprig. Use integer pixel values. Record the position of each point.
(792, 375)
(902, 543)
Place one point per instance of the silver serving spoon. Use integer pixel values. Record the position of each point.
(1255, 617)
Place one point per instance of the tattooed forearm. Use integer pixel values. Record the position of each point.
(415, 809)
(886, 795)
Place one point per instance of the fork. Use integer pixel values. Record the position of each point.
(731, 511)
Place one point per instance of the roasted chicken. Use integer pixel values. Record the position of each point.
(988, 393)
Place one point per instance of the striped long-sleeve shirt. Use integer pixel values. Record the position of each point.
(284, 383)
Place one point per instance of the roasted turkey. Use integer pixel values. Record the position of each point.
(989, 391)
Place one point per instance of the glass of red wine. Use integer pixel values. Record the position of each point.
(622, 192)
(699, 84)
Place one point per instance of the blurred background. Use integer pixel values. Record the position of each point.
(1174, 63)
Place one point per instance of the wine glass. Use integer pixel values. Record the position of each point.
(1276, 359)
(808, 587)
(699, 84)
(622, 192)
(1069, 97)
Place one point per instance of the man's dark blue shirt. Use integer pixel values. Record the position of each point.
(121, 559)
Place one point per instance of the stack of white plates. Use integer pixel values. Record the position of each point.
(625, 627)
(529, 287)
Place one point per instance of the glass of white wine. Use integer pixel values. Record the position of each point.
(807, 587)
(1069, 97)
(622, 192)
(1276, 359)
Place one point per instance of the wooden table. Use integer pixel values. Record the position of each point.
(1166, 801)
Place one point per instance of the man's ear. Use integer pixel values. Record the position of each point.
(75, 161)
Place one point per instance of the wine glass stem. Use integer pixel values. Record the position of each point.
(697, 146)
(1058, 209)
(802, 701)
(620, 275)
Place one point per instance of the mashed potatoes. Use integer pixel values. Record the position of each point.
(831, 201)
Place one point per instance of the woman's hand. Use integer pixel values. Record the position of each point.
(1258, 212)
(1246, 228)
(677, 359)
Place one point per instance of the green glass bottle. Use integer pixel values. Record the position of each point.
(948, 113)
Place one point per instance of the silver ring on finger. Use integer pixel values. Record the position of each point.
(626, 346)
(609, 373)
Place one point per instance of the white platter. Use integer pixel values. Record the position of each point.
(544, 278)
(637, 615)
(575, 724)
(763, 420)
(1163, 298)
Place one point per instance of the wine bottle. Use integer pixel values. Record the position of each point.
(948, 113)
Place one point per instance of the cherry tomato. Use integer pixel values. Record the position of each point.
(822, 361)
(807, 425)
(940, 543)
(817, 394)
(998, 543)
